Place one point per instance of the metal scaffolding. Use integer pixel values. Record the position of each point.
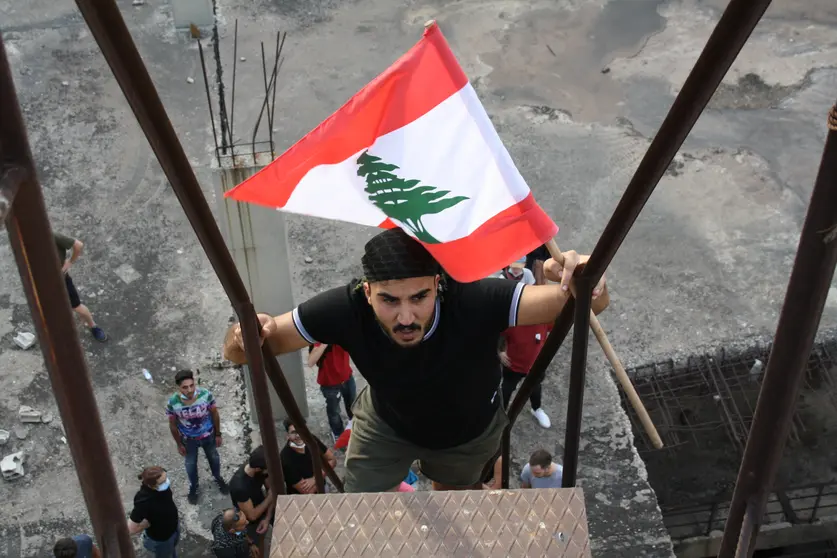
(22, 208)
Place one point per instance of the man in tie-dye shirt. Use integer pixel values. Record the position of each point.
(194, 423)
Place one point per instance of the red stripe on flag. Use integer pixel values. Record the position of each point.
(417, 82)
(504, 238)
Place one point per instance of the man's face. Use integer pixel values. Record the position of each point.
(515, 270)
(404, 307)
(241, 524)
(293, 435)
(187, 388)
(540, 472)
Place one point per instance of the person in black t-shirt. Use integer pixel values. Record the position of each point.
(297, 465)
(247, 491)
(427, 346)
(155, 515)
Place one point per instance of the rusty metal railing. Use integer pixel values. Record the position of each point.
(22, 207)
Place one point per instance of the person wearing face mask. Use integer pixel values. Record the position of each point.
(229, 534)
(155, 515)
(297, 465)
(194, 423)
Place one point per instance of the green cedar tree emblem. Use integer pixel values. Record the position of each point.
(405, 201)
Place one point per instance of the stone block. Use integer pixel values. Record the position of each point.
(12, 466)
(28, 414)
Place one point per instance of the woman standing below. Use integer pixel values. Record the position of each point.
(155, 515)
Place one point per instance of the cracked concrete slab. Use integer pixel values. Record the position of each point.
(576, 88)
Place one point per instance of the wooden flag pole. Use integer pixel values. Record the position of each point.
(618, 369)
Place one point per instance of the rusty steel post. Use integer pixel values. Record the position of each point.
(732, 31)
(112, 35)
(114, 39)
(37, 261)
(578, 375)
(805, 299)
(250, 333)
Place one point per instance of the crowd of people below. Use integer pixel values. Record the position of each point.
(372, 430)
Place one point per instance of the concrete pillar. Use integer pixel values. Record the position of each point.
(257, 238)
(198, 12)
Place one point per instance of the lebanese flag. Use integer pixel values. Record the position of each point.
(416, 149)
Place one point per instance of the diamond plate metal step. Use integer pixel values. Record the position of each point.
(497, 523)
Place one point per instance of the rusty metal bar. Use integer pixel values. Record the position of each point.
(726, 41)
(261, 396)
(732, 31)
(209, 102)
(34, 249)
(112, 35)
(578, 375)
(807, 291)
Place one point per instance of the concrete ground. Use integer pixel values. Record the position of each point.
(576, 89)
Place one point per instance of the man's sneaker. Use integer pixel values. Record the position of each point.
(541, 417)
(99, 334)
(222, 486)
(193, 495)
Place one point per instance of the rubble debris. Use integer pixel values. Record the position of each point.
(12, 466)
(138, 3)
(147, 375)
(46, 418)
(309, 259)
(190, 80)
(243, 59)
(24, 340)
(21, 432)
(4, 437)
(28, 414)
(65, 83)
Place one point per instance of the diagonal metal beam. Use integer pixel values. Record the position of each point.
(110, 32)
(729, 36)
(40, 272)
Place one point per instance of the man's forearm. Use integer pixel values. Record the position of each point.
(216, 422)
(175, 434)
(541, 304)
(262, 508)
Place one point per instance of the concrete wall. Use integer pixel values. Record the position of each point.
(257, 238)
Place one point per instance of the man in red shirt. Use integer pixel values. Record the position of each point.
(336, 382)
(519, 347)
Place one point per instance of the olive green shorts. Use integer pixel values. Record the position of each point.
(377, 459)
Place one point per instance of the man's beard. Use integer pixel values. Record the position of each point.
(413, 327)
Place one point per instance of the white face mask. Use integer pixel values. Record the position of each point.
(299, 445)
(515, 271)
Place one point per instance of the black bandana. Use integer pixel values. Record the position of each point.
(393, 254)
